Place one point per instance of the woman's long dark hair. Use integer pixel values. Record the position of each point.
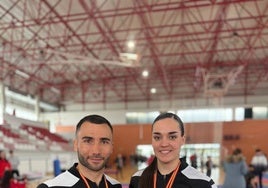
(147, 177)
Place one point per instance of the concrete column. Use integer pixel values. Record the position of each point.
(37, 108)
(2, 102)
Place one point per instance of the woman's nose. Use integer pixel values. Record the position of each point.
(164, 142)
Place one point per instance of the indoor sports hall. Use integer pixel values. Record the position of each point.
(129, 61)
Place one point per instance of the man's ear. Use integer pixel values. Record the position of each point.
(75, 144)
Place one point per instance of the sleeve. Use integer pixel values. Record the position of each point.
(224, 166)
(253, 160)
(42, 185)
(119, 186)
(134, 182)
(265, 161)
(244, 168)
(213, 185)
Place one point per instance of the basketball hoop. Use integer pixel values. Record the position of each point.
(216, 84)
(215, 96)
(217, 100)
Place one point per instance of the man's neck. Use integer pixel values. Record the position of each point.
(94, 176)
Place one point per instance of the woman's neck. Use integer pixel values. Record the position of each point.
(166, 168)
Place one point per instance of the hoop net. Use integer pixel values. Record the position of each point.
(215, 97)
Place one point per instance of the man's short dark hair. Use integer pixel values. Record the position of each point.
(97, 119)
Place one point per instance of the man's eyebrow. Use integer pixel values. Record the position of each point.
(105, 138)
(90, 137)
(87, 137)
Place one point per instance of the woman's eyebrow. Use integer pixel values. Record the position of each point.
(173, 132)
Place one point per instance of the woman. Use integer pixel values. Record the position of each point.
(167, 169)
(235, 169)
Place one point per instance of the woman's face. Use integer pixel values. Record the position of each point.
(167, 140)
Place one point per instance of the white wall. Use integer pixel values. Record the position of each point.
(72, 118)
(116, 112)
(40, 163)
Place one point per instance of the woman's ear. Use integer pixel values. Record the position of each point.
(183, 139)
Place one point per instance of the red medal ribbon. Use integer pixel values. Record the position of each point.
(86, 182)
(171, 180)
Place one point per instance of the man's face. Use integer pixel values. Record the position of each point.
(93, 145)
(167, 140)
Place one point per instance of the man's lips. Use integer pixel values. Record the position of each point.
(94, 159)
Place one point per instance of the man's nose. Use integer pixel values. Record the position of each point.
(96, 147)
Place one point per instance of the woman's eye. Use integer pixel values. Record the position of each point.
(172, 137)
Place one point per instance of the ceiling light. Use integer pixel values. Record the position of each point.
(153, 90)
(130, 59)
(129, 56)
(145, 73)
(131, 44)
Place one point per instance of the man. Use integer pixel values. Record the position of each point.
(209, 165)
(94, 145)
(259, 162)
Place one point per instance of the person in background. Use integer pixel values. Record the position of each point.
(193, 160)
(4, 163)
(259, 162)
(56, 166)
(167, 169)
(209, 165)
(252, 180)
(94, 145)
(5, 170)
(150, 159)
(14, 161)
(119, 161)
(235, 169)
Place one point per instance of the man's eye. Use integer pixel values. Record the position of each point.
(105, 142)
(87, 141)
(156, 138)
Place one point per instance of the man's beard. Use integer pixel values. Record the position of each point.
(85, 163)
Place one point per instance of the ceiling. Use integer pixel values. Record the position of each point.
(70, 51)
